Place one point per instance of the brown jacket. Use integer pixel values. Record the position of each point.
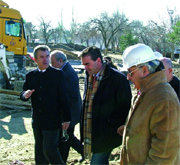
(152, 132)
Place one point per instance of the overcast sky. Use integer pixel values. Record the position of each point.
(142, 10)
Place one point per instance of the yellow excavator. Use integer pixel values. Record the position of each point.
(13, 46)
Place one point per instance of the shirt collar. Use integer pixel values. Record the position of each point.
(97, 74)
(41, 70)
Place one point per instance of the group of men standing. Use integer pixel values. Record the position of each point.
(150, 131)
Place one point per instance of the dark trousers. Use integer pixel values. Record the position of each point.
(46, 146)
(73, 142)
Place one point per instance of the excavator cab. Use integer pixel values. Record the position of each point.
(13, 39)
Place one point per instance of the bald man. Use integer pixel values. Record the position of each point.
(172, 79)
(59, 60)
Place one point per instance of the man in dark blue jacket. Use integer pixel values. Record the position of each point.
(106, 103)
(59, 60)
(172, 79)
(45, 86)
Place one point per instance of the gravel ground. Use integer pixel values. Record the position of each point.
(17, 143)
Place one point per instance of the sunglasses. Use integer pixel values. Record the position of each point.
(131, 73)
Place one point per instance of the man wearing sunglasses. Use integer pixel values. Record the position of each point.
(151, 134)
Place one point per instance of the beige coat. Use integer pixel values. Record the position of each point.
(152, 132)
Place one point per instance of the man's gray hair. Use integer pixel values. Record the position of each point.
(153, 66)
(59, 55)
(41, 48)
(167, 62)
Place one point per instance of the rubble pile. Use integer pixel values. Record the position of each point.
(10, 99)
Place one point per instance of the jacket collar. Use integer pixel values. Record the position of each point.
(106, 72)
(146, 84)
(65, 66)
(152, 80)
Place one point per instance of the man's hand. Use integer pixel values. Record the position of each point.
(65, 125)
(28, 93)
(120, 130)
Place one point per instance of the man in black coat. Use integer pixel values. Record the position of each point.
(106, 103)
(50, 111)
(59, 60)
(172, 79)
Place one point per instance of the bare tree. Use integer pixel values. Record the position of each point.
(55, 35)
(83, 34)
(69, 35)
(87, 34)
(109, 26)
(31, 32)
(153, 34)
(161, 32)
(46, 29)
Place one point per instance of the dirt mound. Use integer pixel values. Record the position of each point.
(70, 55)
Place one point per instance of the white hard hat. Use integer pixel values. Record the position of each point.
(158, 55)
(137, 54)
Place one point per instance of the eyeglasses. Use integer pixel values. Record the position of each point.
(65, 136)
(131, 73)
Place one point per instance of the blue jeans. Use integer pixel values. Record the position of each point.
(100, 158)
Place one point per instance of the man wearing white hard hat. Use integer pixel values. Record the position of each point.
(152, 131)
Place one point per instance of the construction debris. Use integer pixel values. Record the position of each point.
(10, 99)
